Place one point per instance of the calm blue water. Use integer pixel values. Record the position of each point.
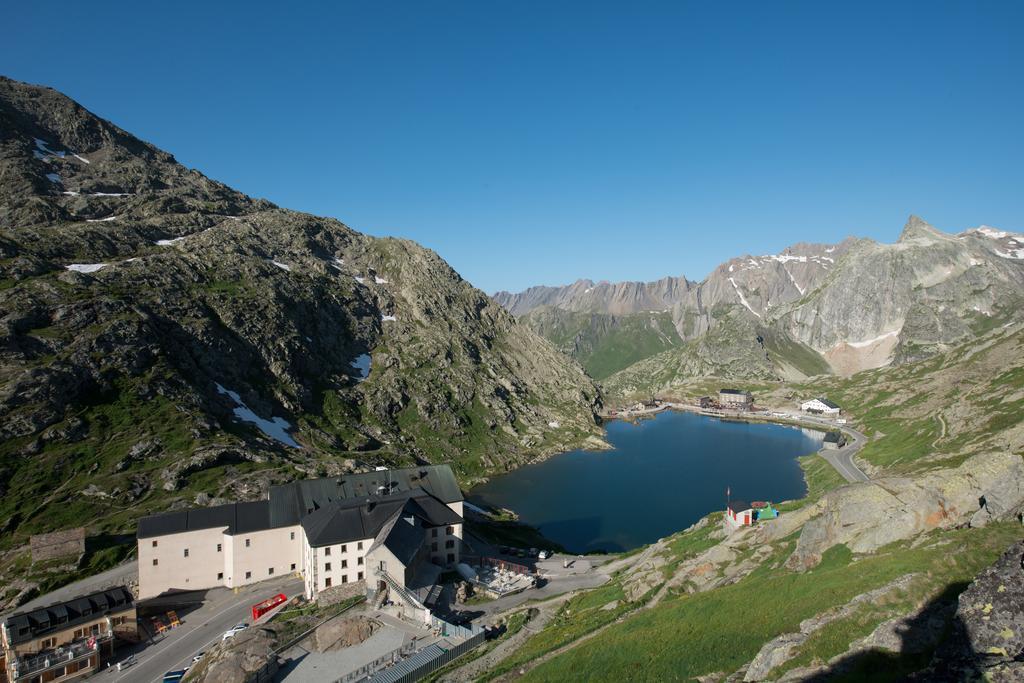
(664, 474)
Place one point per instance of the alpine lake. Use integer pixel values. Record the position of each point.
(664, 473)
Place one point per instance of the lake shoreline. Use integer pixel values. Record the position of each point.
(658, 480)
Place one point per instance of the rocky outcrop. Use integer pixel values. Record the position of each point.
(341, 633)
(987, 642)
(238, 659)
(867, 516)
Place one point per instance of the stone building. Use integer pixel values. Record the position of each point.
(376, 527)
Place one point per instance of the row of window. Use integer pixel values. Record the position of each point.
(344, 564)
(449, 530)
(248, 543)
(344, 579)
(344, 549)
(447, 544)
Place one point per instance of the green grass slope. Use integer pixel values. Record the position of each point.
(603, 343)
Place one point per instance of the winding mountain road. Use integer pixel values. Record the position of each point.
(842, 458)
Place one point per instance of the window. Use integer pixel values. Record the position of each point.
(359, 546)
(451, 558)
(327, 551)
(344, 548)
(327, 566)
(248, 575)
(155, 562)
(47, 643)
(344, 578)
(293, 567)
(78, 633)
(359, 561)
(154, 544)
(270, 571)
(247, 543)
(433, 546)
(220, 576)
(186, 552)
(449, 544)
(450, 530)
(327, 582)
(218, 547)
(433, 532)
(344, 564)
(360, 577)
(291, 536)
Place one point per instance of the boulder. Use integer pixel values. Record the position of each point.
(987, 641)
(870, 515)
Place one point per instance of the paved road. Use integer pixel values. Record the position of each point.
(842, 459)
(118, 576)
(200, 629)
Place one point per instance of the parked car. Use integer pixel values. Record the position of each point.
(543, 555)
(198, 656)
(534, 552)
(126, 662)
(504, 550)
(520, 552)
(234, 630)
(175, 676)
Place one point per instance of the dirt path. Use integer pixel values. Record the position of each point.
(478, 666)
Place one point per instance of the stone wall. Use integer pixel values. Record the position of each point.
(65, 543)
(336, 594)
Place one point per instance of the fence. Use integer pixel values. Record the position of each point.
(367, 670)
(425, 661)
(452, 630)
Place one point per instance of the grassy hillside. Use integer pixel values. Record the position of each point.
(603, 343)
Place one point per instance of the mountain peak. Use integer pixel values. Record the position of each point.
(917, 228)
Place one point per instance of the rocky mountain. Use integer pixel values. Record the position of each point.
(164, 336)
(586, 296)
(813, 309)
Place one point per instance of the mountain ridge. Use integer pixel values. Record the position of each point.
(815, 308)
(167, 339)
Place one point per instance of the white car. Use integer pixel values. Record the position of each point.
(544, 554)
(234, 630)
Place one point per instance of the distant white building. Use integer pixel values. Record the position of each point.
(822, 406)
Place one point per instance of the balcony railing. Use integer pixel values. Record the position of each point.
(26, 666)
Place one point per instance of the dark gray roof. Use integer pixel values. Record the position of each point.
(738, 392)
(828, 403)
(24, 626)
(739, 505)
(238, 518)
(289, 503)
(405, 539)
(359, 519)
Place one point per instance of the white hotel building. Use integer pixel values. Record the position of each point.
(358, 527)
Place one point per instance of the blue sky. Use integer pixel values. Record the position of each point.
(536, 143)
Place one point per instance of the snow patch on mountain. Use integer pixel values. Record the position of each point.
(743, 299)
(86, 267)
(276, 429)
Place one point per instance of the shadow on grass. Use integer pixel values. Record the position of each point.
(930, 645)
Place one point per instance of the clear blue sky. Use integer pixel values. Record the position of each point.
(538, 142)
